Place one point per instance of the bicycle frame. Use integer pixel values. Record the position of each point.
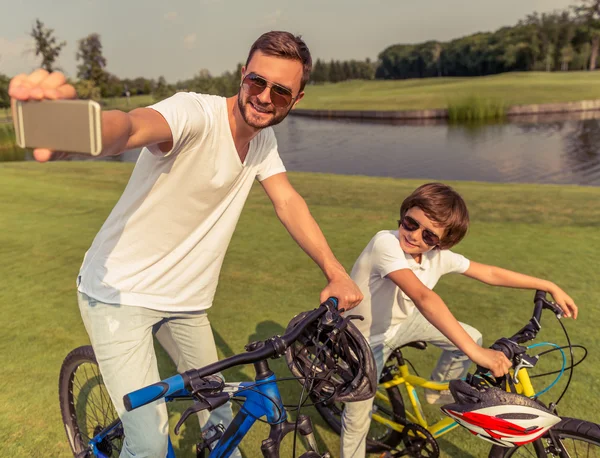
(417, 416)
(261, 399)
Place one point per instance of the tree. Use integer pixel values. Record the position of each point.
(589, 12)
(436, 54)
(86, 89)
(566, 56)
(320, 73)
(549, 59)
(4, 99)
(93, 62)
(162, 89)
(112, 86)
(46, 44)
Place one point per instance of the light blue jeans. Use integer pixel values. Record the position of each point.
(452, 364)
(122, 338)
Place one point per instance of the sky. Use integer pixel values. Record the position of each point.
(178, 38)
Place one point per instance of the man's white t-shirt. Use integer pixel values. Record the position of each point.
(385, 306)
(164, 242)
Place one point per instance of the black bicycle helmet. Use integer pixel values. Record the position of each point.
(500, 417)
(334, 358)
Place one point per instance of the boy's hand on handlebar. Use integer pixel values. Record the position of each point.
(41, 85)
(564, 301)
(495, 361)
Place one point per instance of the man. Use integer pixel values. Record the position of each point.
(157, 258)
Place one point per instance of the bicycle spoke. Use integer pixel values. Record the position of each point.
(94, 409)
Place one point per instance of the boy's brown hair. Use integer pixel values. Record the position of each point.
(287, 46)
(445, 206)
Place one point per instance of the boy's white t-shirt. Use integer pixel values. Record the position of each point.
(163, 244)
(385, 306)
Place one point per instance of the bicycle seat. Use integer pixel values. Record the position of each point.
(418, 344)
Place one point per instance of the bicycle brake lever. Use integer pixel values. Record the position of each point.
(209, 403)
(525, 361)
(554, 308)
(194, 409)
(356, 317)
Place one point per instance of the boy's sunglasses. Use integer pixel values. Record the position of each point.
(254, 85)
(412, 225)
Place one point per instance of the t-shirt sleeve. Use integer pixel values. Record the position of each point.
(387, 256)
(272, 163)
(188, 119)
(454, 263)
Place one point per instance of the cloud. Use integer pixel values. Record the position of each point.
(171, 16)
(17, 55)
(189, 40)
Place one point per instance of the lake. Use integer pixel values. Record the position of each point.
(560, 149)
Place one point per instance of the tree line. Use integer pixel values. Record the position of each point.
(556, 41)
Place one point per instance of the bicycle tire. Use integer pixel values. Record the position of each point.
(567, 428)
(75, 420)
(331, 413)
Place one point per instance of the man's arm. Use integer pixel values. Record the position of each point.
(292, 211)
(138, 128)
(496, 276)
(120, 131)
(433, 308)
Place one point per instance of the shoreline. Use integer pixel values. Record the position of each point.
(514, 111)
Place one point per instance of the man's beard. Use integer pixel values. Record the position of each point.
(245, 111)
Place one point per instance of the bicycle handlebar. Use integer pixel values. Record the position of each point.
(270, 348)
(511, 347)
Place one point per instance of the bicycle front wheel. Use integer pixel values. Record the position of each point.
(380, 437)
(85, 405)
(575, 438)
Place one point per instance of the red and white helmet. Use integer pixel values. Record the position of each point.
(503, 418)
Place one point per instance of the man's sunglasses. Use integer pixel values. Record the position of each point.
(412, 225)
(254, 85)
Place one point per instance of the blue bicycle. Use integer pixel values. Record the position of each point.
(321, 345)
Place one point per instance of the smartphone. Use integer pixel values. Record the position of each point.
(73, 126)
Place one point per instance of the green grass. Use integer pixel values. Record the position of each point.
(120, 103)
(429, 93)
(474, 108)
(9, 151)
(51, 212)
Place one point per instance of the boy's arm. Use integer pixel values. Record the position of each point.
(497, 276)
(437, 313)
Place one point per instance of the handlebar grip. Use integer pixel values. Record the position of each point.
(539, 296)
(153, 392)
(333, 301)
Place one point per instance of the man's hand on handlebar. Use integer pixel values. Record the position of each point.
(345, 290)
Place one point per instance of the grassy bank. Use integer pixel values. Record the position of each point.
(51, 212)
(9, 151)
(121, 103)
(429, 93)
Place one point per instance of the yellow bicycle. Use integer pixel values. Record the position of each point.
(401, 429)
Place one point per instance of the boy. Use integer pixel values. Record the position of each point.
(397, 271)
